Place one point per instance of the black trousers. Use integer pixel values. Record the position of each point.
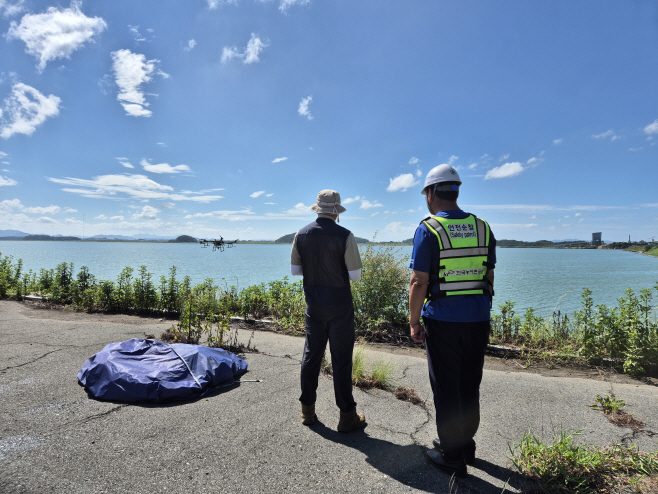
(336, 325)
(455, 358)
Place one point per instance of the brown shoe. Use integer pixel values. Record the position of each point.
(308, 414)
(351, 420)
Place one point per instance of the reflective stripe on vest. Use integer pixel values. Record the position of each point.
(463, 254)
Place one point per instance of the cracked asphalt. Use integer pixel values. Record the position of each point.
(249, 438)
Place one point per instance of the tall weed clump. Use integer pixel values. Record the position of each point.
(381, 294)
(625, 336)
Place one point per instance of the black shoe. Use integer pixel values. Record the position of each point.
(469, 457)
(456, 468)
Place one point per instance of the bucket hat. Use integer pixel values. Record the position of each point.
(328, 202)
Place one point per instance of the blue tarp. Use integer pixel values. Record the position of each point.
(145, 370)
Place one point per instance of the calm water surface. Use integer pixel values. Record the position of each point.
(539, 278)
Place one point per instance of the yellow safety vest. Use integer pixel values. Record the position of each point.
(463, 255)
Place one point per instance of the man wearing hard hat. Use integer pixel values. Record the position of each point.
(451, 288)
(326, 255)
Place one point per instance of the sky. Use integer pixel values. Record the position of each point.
(218, 117)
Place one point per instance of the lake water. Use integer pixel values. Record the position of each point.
(539, 278)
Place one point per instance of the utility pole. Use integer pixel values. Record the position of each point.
(83, 226)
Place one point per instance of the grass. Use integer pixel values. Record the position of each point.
(565, 467)
(376, 375)
(613, 409)
(609, 404)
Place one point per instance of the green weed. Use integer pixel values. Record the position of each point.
(565, 467)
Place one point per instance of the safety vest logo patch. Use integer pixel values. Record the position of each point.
(463, 272)
(462, 230)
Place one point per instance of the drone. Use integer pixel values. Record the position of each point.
(218, 244)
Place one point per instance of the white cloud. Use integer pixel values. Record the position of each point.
(257, 194)
(514, 225)
(213, 4)
(56, 33)
(504, 171)
(270, 203)
(133, 186)
(7, 181)
(131, 70)
(633, 150)
(269, 195)
(250, 54)
(162, 144)
(610, 133)
(134, 30)
(350, 200)
(39, 210)
(164, 167)
(557, 141)
(11, 7)
(366, 204)
(279, 160)
(167, 205)
(413, 160)
(100, 217)
(190, 45)
(45, 219)
(300, 210)
(125, 162)
(532, 161)
(148, 213)
(651, 129)
(286, 4)
(303, 107)
(397, 228)
(374, 214)
(70, 210)
(254, 47)
(26, 109)
(540, 208)
(472, 166)
(402, 182)
(452, 159)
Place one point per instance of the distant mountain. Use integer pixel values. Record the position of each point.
(13, 233)
(144, 236)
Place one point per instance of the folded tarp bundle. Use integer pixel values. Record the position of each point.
(145, 370)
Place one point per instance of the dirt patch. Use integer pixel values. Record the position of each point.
(410, 395)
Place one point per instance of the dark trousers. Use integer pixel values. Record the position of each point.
(455, 358)
(335, 324)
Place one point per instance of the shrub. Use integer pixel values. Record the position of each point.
(381, 295)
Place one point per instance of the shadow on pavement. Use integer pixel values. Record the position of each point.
(408, 465)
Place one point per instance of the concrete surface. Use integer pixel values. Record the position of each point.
(248, 438)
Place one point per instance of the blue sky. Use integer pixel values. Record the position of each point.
(210, 117)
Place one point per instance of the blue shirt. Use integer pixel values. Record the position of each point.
(425, 258)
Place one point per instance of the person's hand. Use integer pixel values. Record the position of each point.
(417, 332)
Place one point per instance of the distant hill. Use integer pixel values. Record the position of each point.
(49, 237)
(140, 236)
(12, 233)
(183, 238)
(287, 239)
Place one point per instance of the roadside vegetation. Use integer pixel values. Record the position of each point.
(623, 337)
(565, 467)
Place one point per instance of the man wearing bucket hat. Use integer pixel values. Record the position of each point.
(326, 255)
(451, 287)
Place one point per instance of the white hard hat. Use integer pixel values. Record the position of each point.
(439, 174)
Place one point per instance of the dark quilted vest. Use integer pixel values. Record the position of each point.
(321, 245)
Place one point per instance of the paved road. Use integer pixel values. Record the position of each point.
(249, 437)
